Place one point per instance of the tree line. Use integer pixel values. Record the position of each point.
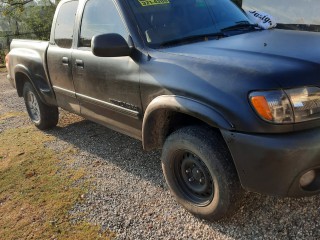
(25, 19)
(30, 17)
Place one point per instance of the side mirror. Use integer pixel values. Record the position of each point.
(110, 45)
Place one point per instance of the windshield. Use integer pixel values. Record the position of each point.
(162, 21)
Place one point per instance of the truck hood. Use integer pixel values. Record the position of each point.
(278, 43)
(291, 58)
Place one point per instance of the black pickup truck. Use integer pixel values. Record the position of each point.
(232, 106)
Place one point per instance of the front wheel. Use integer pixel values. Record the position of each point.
(43, 116)
(200, 173)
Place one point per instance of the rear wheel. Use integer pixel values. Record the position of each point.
(43, 116)
(200, 173)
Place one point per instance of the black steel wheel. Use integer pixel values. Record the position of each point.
(43, 116)
(193, 177)
(200, 173)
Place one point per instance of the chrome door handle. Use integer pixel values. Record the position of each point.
(65, 61)
(79, 63)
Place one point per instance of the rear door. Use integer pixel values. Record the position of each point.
(60, 55)
(107, 88)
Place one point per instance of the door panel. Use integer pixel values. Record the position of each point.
(108, 90)
(59, 57)
(60, 69)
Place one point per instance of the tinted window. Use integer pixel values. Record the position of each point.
(64, 26)
(99, 17)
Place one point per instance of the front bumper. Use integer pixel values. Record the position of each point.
(274, 163)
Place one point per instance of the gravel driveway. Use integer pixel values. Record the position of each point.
(129, 195)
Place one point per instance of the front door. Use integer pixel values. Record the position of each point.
(107, 88)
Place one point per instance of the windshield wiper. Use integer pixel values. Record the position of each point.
(242, 25)
(194, 38)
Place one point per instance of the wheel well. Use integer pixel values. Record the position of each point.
(164, 122)
(21, 79)
(178, 120)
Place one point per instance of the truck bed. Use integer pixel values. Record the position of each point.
(30, 57)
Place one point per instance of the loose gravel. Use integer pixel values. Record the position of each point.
(129, 196)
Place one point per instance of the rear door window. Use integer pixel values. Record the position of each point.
(63, 33)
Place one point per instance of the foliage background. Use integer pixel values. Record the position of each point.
(29, 19)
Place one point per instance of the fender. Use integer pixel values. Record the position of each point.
(44, 91)
(158, 112)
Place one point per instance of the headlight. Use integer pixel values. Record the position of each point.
(287, 106)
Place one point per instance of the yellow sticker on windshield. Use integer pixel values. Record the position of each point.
(145, 3)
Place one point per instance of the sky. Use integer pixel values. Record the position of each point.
(288, 11)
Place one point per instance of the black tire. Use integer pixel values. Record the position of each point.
(43, 116)
(200, 173)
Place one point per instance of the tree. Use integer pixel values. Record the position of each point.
(29, 16)
(38, 20)
(9, 7)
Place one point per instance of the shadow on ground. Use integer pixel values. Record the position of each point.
(265, 217)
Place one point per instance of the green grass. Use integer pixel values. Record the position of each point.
(36, 193)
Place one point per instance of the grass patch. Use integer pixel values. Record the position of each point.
(11, 115)
(36, 193)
